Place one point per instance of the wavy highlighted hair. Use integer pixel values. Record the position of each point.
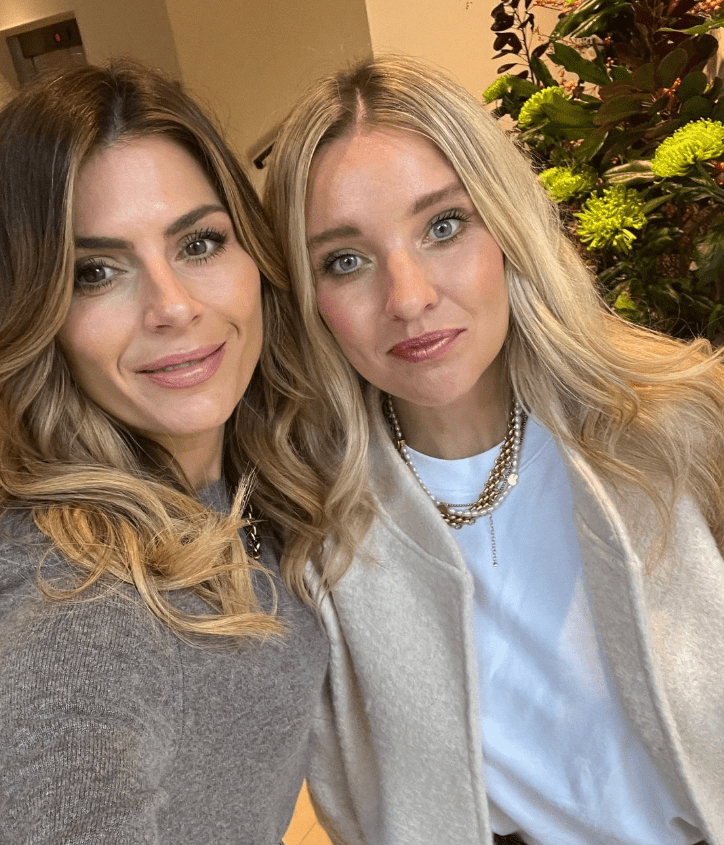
(643, 408)
(110, 500)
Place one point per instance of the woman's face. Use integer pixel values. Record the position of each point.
(165, 328)
(409, 280)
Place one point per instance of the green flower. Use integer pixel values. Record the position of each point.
(607, 220)
(697, 141)
(498, 88)
(563, 183)
(533, 108)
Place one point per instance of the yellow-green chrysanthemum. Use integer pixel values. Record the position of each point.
(563, 183)
(698, 141)
(498, 88)
(533, 106)
(608, 220)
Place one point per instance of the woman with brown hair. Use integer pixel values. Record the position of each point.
(158, 668)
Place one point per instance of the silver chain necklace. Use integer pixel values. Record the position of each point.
(502, 478)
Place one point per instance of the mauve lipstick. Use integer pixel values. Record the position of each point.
(185, 369)
(425, 347)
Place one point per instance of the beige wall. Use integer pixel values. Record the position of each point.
(136, 28)
(250, 60)
(453, 34)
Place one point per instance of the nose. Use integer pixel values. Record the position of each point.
(411, 291)
(168, 302)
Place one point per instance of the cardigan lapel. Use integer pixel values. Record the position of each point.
(626, 605)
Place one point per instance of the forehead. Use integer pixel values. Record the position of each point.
(369, 165)
(146, 175)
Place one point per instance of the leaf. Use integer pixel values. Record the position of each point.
(504, 68)
(718, 112)
(619, 109)
(693, 85)
(709, 254)
(695, 108)
(591, 17)
(568, 113)
(633, 172)
(655, 203)
(592, 143)
(574, 62)
(542, 74)
(619, 73)
(507, 39)
(644, 78)
(698, 30)
(671, 67)
(539, 50)
(661, 130)
(624, 304)
(502, 21)
(614, 90)
(523, 88)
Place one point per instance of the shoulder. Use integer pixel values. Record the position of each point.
(104, 645)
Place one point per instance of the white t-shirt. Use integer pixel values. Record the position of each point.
(563, 764)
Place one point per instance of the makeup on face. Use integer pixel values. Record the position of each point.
(409, 280)
(165, 327)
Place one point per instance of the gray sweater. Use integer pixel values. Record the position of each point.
(112, 730)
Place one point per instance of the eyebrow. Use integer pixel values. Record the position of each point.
(332, 235)
(177, 226)
(450, 191)
(420, 204)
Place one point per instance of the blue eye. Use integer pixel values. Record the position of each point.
(445, 228)
(341, 264)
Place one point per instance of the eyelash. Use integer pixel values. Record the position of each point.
(209, 234)
(92, 264)
(328, 261)
(451, 214)
(218, 237)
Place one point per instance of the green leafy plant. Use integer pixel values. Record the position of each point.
(627, 131)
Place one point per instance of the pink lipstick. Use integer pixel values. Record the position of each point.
(425, 347)
(185, 369)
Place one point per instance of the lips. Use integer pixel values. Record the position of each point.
(425, 347)
(180, 360)
(185, 369)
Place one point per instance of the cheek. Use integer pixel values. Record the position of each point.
(342, 317)
(85, 341)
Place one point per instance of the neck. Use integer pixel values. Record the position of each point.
(200, 457)
(461, 429)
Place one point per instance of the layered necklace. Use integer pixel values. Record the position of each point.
(502, 478)
(253, 543)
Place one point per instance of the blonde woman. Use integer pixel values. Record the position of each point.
(529, 646)
(158, 674)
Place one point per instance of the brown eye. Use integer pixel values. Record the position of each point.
(200, 247)
(94, 274)
(203, 245)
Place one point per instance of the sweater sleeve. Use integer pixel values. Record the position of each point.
(90, 716)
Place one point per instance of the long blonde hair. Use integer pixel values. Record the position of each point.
(113, 502)
(642, 408)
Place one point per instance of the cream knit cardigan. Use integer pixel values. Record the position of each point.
(397, 755)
